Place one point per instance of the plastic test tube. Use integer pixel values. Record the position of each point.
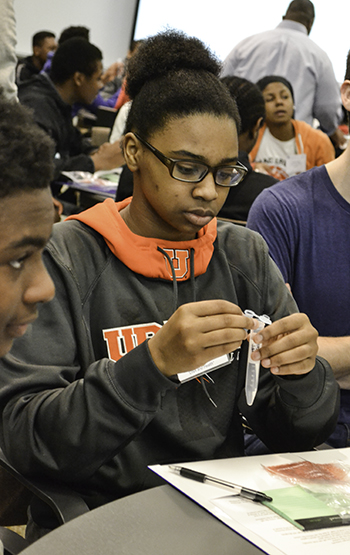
(253, 366)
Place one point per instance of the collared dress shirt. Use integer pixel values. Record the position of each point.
(288, 51)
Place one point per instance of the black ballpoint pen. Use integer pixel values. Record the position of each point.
(200, 477)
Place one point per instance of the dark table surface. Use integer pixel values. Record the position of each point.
(158, 521)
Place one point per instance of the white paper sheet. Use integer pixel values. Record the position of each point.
(254, 521)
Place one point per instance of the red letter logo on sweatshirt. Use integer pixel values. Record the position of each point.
(122, 340)
(179, 259)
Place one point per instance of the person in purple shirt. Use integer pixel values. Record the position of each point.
(306, 222)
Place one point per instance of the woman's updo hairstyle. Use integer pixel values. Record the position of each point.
(172, 76)
(249, 99)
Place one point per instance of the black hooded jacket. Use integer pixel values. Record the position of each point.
(54, 116)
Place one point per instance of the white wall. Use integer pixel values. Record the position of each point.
(110, 22)
(221, 24)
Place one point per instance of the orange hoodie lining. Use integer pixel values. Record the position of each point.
(139, 253)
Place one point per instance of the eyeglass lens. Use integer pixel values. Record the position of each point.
(191, 171)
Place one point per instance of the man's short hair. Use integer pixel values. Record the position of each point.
(302, 11)
(26, 152)
(73, 55)
(39, 37)
(73, 32)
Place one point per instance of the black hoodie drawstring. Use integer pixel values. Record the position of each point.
(175, 288)
(192, 276)
(175, 305)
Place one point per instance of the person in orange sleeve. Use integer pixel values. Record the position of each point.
(286, 146)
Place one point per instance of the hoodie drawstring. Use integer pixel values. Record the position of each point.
(175, 305)
(175, 288)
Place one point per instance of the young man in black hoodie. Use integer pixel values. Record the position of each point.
(75, 76)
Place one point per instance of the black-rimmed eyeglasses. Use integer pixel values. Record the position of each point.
(194, 172)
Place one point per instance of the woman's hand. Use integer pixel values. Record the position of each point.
(197, 333)
(289, 345)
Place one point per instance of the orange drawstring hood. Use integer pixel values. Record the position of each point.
(144, 255)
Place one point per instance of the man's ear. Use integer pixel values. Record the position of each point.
(132, 150)
(345, 94)
(258, 124)
(78, 78)
(254, 132)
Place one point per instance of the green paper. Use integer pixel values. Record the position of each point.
(295, 503)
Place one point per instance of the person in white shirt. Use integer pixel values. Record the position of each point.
(286, 146)
(288, 51)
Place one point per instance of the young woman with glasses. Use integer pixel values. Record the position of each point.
(149, 290)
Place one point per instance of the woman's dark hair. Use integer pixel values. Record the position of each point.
(265, 81)
(26, 152)
(73, 55)
(249, 99)
(172, 76)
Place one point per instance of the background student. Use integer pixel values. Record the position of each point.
(75, 76)
(288, 51)
(286, 146)
(43, 42)
(251, 107)
(306, 221)
(26, 218)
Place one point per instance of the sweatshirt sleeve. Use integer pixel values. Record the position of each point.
(72, 151)
(294, 413)
(99, 413)
(78, 160)
(50, 382)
